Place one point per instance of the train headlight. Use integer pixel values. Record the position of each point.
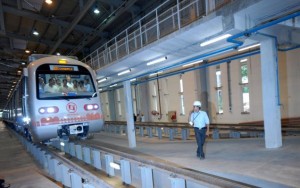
(26, 120)
(88, 107)
(48, 110)
(96, 106)
(42, 110)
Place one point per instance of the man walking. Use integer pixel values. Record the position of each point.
(199, 120)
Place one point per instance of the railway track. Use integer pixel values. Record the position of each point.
(86, 164)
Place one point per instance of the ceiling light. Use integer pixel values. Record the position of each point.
(157, 60)
(96, 10)
(100, 89)
(35, 32)
(113, 85)
(23, 63)
(49, 2)
(190, 64)
(243, 60)
(153, 74)
(124, 72)
(27, 51)
(102, 80)
(57, 53)
(248, 47)
(19, 71)
(132, 80)
(215, 39)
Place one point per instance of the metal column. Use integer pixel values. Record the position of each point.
(271, 108)
(129, 114)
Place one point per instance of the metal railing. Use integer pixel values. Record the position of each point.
(152, 27)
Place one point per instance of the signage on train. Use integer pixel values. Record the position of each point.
(63, 68)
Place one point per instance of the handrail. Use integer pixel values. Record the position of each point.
(147, 30)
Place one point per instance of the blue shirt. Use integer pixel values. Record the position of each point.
(200, 119)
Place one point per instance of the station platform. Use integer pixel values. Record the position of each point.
(244, 160)
(17, 167)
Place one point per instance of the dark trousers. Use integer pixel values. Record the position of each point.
(200, 138)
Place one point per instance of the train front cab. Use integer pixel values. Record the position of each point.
(56, 107)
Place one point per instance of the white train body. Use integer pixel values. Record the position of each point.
(50, 110)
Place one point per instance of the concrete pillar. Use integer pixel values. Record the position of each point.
(203, 89)
(129, 114)
(271, 108)
(111, 103)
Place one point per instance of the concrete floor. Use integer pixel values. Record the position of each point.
(244, 160)
(17, 167)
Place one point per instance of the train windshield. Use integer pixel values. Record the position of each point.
(64, 84)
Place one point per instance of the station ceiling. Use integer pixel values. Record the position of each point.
(68, 27)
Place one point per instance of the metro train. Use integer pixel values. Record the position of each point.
(56, 97)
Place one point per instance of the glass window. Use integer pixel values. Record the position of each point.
(244, 74)
(218, 77)
(63, 82)
(166, 98)
(245, 88)
(119, 102)
(182, 110)
(154, 96)
(219, 91)
(220, 101)
(246, 99)
(134, 101)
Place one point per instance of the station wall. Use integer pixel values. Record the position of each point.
(146, 100)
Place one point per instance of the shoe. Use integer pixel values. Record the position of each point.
(203, 156)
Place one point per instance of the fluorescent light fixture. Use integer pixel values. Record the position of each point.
(113, 85)
(35, 32)
(100, 89)
(153, 74)
(96, 10)
(49, 2)
(132, 80)
(248, 47)
(215, 39)
(124, 72)
(115, 165)
(102, 80)
(243, 60)
(190, 64)
(157, 61)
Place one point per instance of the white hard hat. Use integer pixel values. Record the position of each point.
(197, 103)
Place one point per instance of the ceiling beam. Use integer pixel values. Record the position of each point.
(36, 40)
(86, 8)
(39, 17)
(113, 16)
(2, 25)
